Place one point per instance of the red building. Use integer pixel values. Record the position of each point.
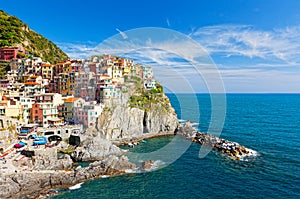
(36, 113)
(8, 53)
(92, 68)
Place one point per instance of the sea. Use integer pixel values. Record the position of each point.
(266, 123)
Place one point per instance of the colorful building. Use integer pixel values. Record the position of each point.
(149, 84)
(47, 71)
(45, 108)
(27, 107)
(8, 53)
(88, 112)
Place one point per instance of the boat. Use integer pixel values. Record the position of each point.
(19, 145)
(39, 140)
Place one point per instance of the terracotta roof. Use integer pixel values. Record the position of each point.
(31, 83)
(46, 65)
(71, 99)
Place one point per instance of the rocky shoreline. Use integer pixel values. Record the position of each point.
(233, 150)
(38, 175)
(112, 161)
(36, 184)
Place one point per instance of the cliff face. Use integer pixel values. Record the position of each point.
(32, 184)
(93, 147)
(120, 121)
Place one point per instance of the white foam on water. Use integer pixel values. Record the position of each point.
(157, 164)
(195, 124)
(133, 171)
(76, 186)
(247, 157)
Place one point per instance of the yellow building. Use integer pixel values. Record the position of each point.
(12, 108)
(126, 71)
(66, 82)
(47, 71)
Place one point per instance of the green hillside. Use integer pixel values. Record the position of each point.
(13, 32)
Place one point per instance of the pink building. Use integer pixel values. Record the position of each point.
(4, 83)
(8, 53)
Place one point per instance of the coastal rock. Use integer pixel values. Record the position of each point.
(147, 165)
(8, 187)
(118, 163)
(31, 184)
(95, 148)
(232, 149)
(119, 122)
(187, 130)
(47, 160)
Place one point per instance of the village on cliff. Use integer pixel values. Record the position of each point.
(45, 103)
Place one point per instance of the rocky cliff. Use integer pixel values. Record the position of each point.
(93, 148)
(137, 115)
(30, 184)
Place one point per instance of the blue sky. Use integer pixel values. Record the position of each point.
(255, 44)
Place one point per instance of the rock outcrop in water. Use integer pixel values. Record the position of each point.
(232, 149)
(122, 122)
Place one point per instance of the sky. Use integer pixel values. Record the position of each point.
(255, 44)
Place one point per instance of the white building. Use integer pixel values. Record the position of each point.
(27, 106)
(149, 84)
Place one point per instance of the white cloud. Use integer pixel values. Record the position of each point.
(77, 50)
(257, 60)
(242, 40)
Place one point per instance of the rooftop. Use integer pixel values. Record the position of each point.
(71, 99)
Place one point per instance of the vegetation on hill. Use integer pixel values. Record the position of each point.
(13, 32)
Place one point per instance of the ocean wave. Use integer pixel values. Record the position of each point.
(181, 120)
(133, 171)
(76, 186)
(195, 124)
(156, 165)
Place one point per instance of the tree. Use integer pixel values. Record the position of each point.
(12, 129)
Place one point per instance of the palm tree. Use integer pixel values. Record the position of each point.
(11, 128)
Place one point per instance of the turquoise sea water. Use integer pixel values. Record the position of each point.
(267, 123)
